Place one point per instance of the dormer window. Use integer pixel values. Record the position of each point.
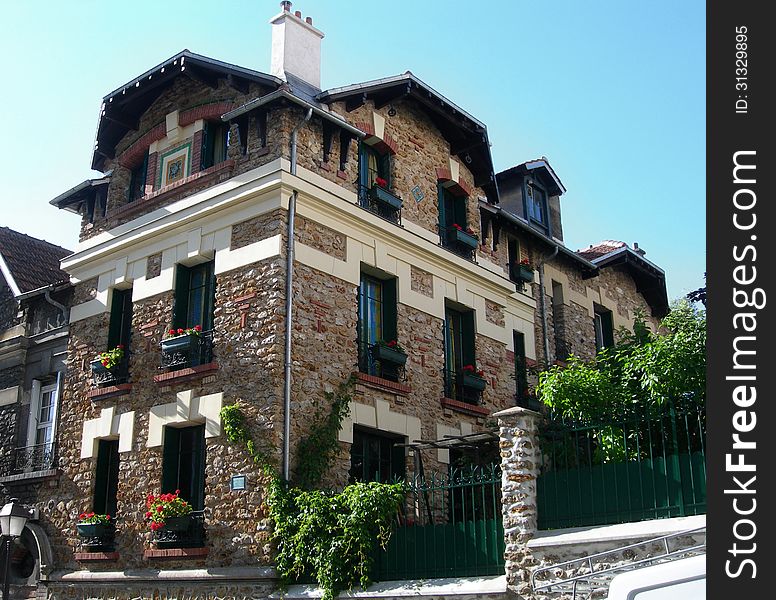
(215, 143)
(536, 205)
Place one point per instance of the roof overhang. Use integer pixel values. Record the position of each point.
(468, 137)
(83, 194)
(650, 279)
(122, 108)
(283, 94)
(541, 165)
(589, 269)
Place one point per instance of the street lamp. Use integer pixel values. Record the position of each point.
(13, 518)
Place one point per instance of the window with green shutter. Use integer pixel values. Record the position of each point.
(194, 296)
(521, 371)
(459, 350)
(183, 464)
(377, 319)
(603, 325)
(215, 143)
(373, 165)
(106, 478)
(120, 326)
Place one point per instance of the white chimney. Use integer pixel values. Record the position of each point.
(296, 47)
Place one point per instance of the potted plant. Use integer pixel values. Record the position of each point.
(465, 236)
(168, 512)
(105, 361)
(389, 352)
(93, 526)
(180, 339)
(379, 193)
(473, 378)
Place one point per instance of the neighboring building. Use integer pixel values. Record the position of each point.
(397, 235)
(34, 299)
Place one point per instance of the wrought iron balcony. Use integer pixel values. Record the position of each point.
(459, 241)
(381, 202)
(182, 351)
(381, 361)
(182, 532)
(103, 376)
(464, 387)
(41, 457)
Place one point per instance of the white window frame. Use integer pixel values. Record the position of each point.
(38, 389)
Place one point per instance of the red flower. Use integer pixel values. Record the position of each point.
(457, 226)
(120, 346)
(392, 343)
(525, 262)
(159, 509)
(197, 328)
(470, 231)
(171, 332)
(180, 330)
(468, 368)
(381, 182)
(107, 517)
(148, 515)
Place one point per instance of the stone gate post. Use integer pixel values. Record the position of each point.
(520, 456)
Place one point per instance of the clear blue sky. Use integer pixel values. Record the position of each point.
(611, 92)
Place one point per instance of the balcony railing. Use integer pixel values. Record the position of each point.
(381, 202)
(464, 387)
(182, 351)
(188, 533)
(103, 376)
(459, 241)
(381, 361)
(41, 457)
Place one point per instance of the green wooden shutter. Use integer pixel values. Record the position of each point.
(198, 468)
(210, 297)
(120, 318)
(171, 455)
(206, 153)
(521, 381)
(181, 306)
(363, 165)
(442, 208)
(468, 338)
(106, 477)
(607, 326)
(460, 212)
(389, 310)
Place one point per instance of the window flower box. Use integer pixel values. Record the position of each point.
(388, 353)
(522, 272)
(463, 237)
(473, 382)
(382, 196)
(96, 531)
(186, 347)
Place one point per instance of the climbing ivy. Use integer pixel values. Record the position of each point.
(331, 537)
(319, 447)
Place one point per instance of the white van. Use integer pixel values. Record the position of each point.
(683, 579)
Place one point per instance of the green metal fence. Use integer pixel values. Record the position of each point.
(636, 467)
(450, 526)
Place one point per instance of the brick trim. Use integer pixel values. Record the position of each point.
(459, 188)
(151, 553)
(464, 407)
(384, 384)
(384, 144)
(172, 377)
(213, 110)
(96, 556)
(122, 389)
(133, 156)
(159, 195)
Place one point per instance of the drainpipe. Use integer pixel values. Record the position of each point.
(543, 305)
(289, 302)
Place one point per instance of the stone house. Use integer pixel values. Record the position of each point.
(34, 304)
(300, 235)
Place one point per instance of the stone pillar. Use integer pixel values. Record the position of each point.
(520, 459)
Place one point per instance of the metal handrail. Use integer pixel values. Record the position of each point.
(606, 573)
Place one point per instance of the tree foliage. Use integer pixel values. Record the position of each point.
(645, 371)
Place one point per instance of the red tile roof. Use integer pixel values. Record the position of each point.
(601, 249)
(33, 263)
